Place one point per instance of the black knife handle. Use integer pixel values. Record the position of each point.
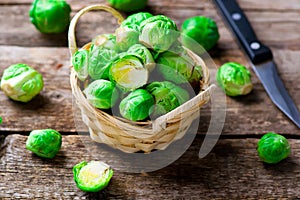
(256, 51)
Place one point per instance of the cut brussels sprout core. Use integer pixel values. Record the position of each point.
(272, 148)
(137, 105)
(93, 176)
(44, 143)
(50, 16)
(234, 79)
(20, 82)
(129, 73)
(101, 94)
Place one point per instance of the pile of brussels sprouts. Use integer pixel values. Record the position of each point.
(142, 69)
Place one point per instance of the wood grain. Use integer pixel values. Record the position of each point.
(231, 171)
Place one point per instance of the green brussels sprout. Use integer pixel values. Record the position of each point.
(167, 96)
(178, 68)
(92, 176)
(44, 143)
(50, 16)
(143, 54)
(107, 41)
(126, 37)
(1, 120)
(158, 32)
(272, 148)
(80, 62)
(203, 30)
(128, 72)
(234, 79)
(99, 62)
(101, 94)
(128, 5)
(20, 82)
(137, 105)
(134, 21)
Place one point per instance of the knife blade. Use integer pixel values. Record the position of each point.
(261, 58)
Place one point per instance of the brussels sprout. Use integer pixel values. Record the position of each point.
(128, 5)
(50, 16)
(126, 37)
(107, 41)
(167, 96)
(203, 30)
(20, 82)
(143, 54)
(158, 32)
(99, 61)
(272, 148)
(1, 120)
(44, 143)
(129, 73)
(234, 79)
(135, 20)
(178, 68)
(92, 176)
(80, 62)
(101, 94)
(137, 105)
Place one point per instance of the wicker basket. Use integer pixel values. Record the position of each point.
(126, 135)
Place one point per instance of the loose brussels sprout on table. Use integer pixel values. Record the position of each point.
(137, 105)
(272, 148)
(50, 16)
(158, 33)
(128, 5)
(128, 73)
(20, 82)
(178, 68)
(92, 176)
(167, 96)
(234, 79)
(44, 143)
(101, 94)
(203, 30)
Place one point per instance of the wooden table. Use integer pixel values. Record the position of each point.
(231, 171)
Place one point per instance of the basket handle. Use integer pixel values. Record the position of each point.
(73, 23)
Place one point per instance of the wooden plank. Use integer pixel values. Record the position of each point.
(281, 32)
(231, 171)
(252, 114)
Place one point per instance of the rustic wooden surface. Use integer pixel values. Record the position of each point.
(231, 171)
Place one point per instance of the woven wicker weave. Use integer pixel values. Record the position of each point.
(129, 136)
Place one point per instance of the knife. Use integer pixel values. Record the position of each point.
(261, 58)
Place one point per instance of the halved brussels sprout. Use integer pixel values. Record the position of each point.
(203, 30)
(272, 148)
(44, 143)
(158, 32)
(99, 61)
(167, 96)
(50, 16)
(80, 62)
(137, 105)
(107, 41)
(128, 5)
(101, 94)
(143, 54)
(234, 79)
(20, 82)
(178, 68)
(126, 36)
(135, 20)
(129, 73)
(92, 176)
